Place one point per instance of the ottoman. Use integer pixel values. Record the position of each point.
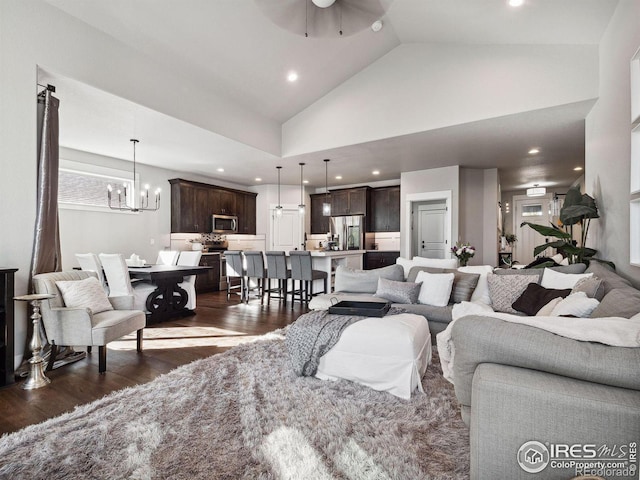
(388, 354)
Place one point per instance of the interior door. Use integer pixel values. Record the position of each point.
(533, 210)
(432, 239)
(286, 230)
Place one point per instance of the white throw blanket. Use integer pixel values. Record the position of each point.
(614, 331)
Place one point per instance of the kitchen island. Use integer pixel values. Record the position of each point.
(328, 261)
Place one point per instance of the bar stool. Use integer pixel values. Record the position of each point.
(277, 270)
(302, 270)
(235, 271)
(255, 269)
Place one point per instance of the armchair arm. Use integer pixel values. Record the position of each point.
(68, 326)
(122, 302)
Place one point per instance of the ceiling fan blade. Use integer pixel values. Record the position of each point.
(302, 16)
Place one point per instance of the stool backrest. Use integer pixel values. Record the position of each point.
(276, 265)
(255, 264)
(235, 266)
(301, 267)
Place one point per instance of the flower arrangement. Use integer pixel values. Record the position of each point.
(511, 238)
(463, 252)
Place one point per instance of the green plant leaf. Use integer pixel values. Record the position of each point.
(573, 197)
(557, 244)
(547, 231)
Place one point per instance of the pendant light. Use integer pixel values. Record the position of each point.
(301, 207)
(144, 196)
(326, 206)
(279, 206)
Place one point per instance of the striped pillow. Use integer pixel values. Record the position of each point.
(87, 293)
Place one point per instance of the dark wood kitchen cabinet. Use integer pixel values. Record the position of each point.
(193, 203)
(379, 259)
(319, 223)
(385, 209)
(246, 212)
(209, 281)
(350, 201)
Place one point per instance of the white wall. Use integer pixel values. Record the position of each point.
(607, 140)
(420, 87)
(425, 181)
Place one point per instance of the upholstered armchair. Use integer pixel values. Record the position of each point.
(76, 326)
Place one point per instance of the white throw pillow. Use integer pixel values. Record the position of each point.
(87, 293)
(559, 280)
(548, 308)
(435, 289)
(481, 293)
(576, 304)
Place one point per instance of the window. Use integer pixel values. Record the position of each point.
(83, 186)
(534, 210)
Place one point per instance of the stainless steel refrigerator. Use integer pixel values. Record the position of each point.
(348, 232)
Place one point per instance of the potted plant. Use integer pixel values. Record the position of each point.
(578, 209)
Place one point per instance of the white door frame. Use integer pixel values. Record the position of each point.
(411, 198)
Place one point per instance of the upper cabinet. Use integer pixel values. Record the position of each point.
(385, 209)
(319, 223)
(193, 203)
(351, 201)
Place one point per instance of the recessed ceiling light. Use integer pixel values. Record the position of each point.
(292, 76)
(338, 177)
(258, 179)
(221, 169)
(533, 151)
(305, 181)
(375, 172)
(516, 3)
(577, 169)
(376, 26)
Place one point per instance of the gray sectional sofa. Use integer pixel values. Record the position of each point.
(518, 384)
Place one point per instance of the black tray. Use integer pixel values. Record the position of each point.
(367, 309)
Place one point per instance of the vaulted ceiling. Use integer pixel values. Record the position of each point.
(231, 49)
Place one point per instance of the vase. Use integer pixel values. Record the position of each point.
(463, 262)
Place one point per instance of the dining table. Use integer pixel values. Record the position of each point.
(168, 299)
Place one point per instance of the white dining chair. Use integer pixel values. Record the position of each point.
(191, 259)
(91, 263)
(117, 273)
(167, 257)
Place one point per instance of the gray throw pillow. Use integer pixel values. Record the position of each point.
(620, 302)
(574, 268)
(504, 290)
(592, 286)
(609, 277)
(398, 292)
(365, 281)
(463, 283)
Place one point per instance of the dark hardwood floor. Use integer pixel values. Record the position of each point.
(217, 326)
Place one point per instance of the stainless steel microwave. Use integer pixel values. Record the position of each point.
(224, 223)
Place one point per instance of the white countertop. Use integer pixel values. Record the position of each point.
(335, 253)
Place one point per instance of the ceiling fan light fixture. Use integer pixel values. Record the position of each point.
(323, 3)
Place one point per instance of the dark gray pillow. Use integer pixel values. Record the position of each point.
(463, 283)
(365, 281)
(398, 292)
(620, 302)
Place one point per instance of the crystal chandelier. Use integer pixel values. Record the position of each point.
(122, 193)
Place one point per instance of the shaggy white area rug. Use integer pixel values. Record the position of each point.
(243, 414)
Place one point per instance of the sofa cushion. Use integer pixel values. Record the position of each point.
(398, 292)
(535, 297)
(620, 302)
(425, 262)
(505, 290)
(609, 277)
(573, 268)
(464, 284)
(435, 288)
(365, 281)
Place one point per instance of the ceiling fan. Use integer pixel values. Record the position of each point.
(323, 18)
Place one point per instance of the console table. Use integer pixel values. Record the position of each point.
(6, 326)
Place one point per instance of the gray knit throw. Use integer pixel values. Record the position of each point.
(314, 334)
